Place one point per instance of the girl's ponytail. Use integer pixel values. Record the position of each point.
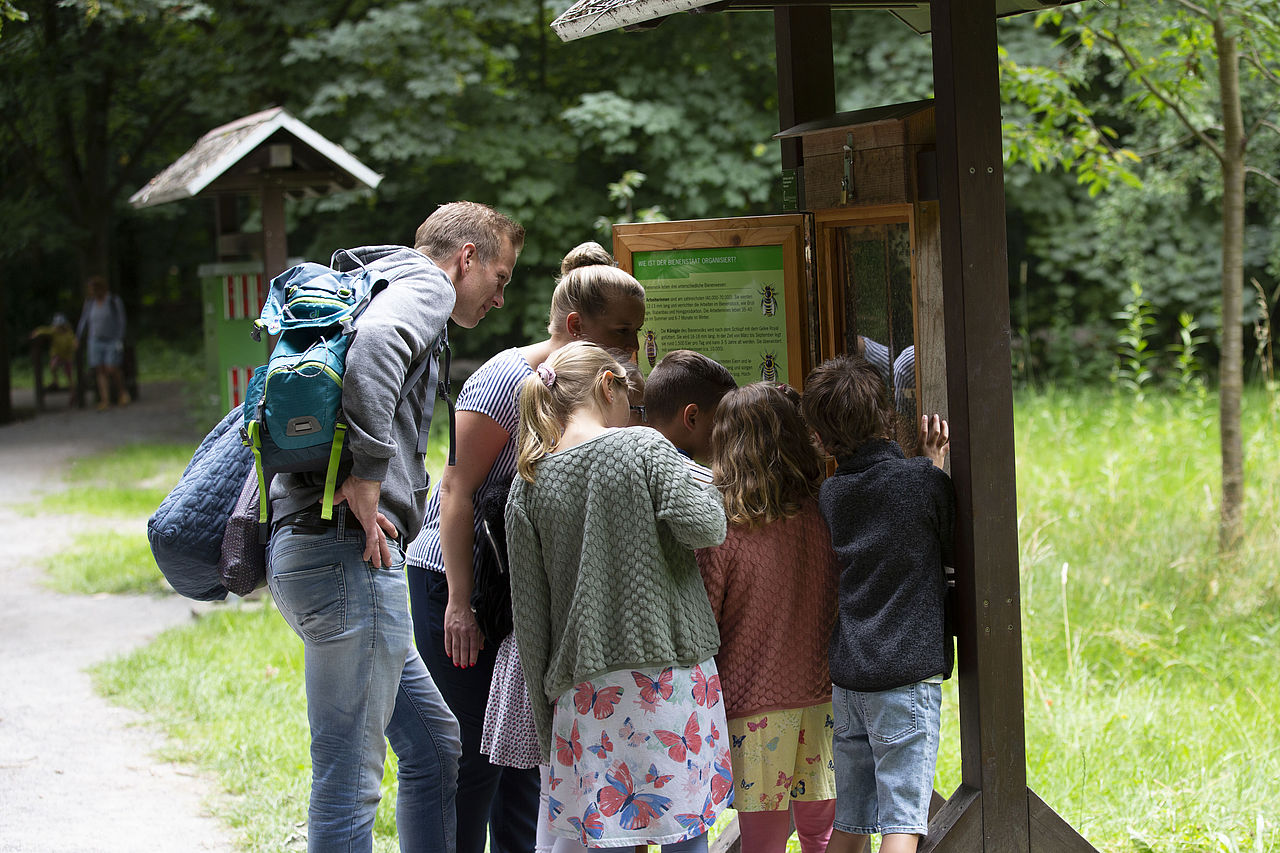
(570, 378)
(539, 427)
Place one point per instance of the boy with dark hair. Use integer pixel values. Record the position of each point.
(891, 526)
(680, 400)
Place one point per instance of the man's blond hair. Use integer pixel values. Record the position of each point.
(454, 225)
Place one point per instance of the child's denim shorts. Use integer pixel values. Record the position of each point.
(886, 748)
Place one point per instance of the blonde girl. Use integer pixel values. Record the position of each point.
(772, 586)
(615, 632)
(593, 301)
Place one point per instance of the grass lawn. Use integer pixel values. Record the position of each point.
(1148, 662)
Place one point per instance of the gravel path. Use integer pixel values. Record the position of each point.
(77, 773)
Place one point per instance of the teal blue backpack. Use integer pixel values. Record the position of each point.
(293, 418)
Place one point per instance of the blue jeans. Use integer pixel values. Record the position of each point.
(365, 685)
(497, 805)
(886, 746)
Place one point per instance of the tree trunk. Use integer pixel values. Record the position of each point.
(6, 387)
(1231, 364)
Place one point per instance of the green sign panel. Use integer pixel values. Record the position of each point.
(728, 304)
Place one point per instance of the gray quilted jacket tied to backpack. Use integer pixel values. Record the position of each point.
(186, 531)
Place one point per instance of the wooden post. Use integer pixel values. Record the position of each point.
(990, 809)
(39, 347)
(806, 76)
(275, 242)
(6, 386)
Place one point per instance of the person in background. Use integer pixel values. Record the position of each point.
(891, 520)
(498, 793)
(102, 328)
(772, 586)
(62, 350)
(635, 387)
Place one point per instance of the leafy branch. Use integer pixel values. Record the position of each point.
(1058, 129)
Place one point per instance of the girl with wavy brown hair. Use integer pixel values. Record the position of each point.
(772, 587)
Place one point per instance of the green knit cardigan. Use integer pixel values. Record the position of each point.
(602, 569)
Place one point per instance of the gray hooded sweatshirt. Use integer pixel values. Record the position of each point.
(401, 326)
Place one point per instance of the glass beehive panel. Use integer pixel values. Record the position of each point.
(875, 261)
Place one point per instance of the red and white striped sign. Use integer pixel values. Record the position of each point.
(243, 296)
(238, 383)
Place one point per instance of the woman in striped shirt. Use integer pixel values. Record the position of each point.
(593, 301)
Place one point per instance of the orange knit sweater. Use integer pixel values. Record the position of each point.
(773, 590)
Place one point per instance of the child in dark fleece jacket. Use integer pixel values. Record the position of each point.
(891, 528)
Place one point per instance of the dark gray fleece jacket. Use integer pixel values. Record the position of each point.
(891, 524)
(401, 326)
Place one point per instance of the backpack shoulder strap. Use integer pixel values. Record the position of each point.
(441, 352)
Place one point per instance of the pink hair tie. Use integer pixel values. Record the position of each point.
(546, 374)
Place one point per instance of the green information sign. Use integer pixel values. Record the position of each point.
(728, 304)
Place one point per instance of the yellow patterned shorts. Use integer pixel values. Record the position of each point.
(782, 756)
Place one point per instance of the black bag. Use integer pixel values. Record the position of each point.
(243, 562)
(491, 595)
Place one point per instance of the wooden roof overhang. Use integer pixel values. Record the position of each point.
(993, 809)
(588, 17)
(270, 154)
(238, 157)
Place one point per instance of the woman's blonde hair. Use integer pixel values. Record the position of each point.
(635, 379)
(571, 377)
(761, 457)
(589, 281)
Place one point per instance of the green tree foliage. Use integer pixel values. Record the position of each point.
(10, 12)
(482, 101)
(1205, 77)
(452, 99)
(96, 96)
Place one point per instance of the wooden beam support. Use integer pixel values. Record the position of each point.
(806, 76)
(957, 825)
(275, 242)
(980, 396)
(1049, 832)
(292, 180)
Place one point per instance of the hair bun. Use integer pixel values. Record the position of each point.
(588, 254)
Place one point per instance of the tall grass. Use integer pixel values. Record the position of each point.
(1148, 660)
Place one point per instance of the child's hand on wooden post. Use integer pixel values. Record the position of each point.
(935, 438)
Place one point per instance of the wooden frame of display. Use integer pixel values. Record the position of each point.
(825, 221)
(665, 241)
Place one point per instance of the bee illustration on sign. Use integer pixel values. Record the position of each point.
(768, 300)
(650, 347)
(768, 367)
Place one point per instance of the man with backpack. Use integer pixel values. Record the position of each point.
(339, 582)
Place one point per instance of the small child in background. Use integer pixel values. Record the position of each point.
(680, 401)
(62, 349)
(891, 522)
(772, 586)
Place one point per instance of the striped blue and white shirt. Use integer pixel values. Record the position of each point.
(491, 391)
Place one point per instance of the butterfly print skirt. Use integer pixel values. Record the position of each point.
(640, 756)
(782, 756)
